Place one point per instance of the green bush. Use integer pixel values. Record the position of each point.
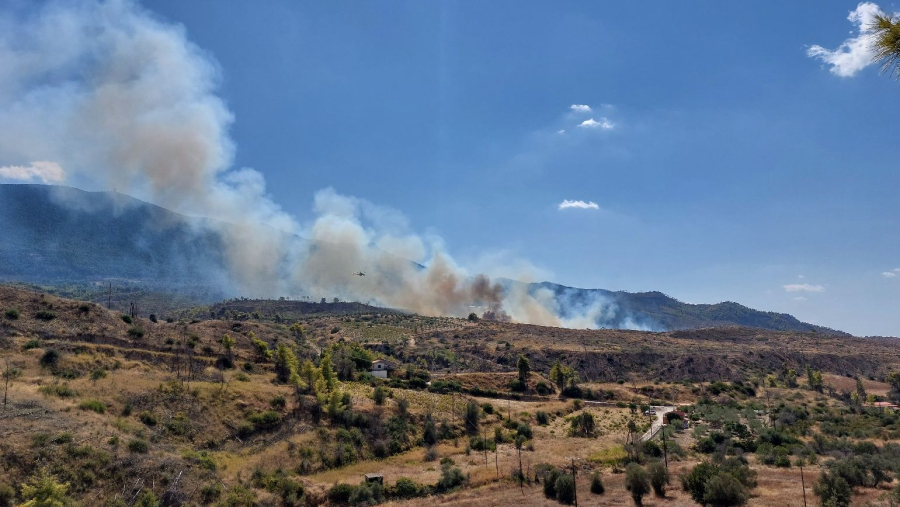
(148, 418)
(93, 405)
(543, 418)
(62, 390)
(659, 477)
(126, 318)
(211, 492)
(138, 445)
(451, 477)
(695, 481)
(11, 314)
(136, 332)
(565, 489)
(7, 495)
(339, 494)
(31, 344)
(549, 478)
(240, 377)
(407, 488)
(597, 487)
(637, 482)
(50, 357)
(264, 420)
(723, 490)
(45, 315)
(380, 394)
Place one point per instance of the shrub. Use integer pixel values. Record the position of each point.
(695, 481)
(148, 418)
(543, 388)
(11, 314)
(451, 477)
(723, 490)
(136, 332)
(98, 374)
(31, 344)
(7, 495)
(542, 418)
(240, 377)
(211, 492)
(126, 318)
(659, 477)
(93, 405)
(565, 489)
(473, 413)
(550, 477)
(407, 488)
(62, 390)
(50, 358)
(637, 482)
(597, 487)
(380, 394)
(833, 489)
(524, 430)
(340, 493)
(153, 318)
(45, 315)
(44, 490)
(278, 402)
(139, 446)
(267, 419)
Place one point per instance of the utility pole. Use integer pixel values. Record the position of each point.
(574, 482)
(803, 485)
(665, 450)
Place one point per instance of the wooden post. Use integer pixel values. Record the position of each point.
(574, 482)
(803, 485)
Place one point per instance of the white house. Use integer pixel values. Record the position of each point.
(381, 368)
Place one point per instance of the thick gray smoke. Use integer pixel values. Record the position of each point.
(104, 93)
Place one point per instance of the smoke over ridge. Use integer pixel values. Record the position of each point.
(111, 95)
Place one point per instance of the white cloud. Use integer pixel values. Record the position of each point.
(892, 273)
(799, 298)
(592, 124)
(580, 108)
(803, 287)
(560, 132)
(855, 53)
(48, 172)
(578, 204)
(801, 277)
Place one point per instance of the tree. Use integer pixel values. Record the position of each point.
(583, 425)
(659, 477)
(327, 370)
(562, 375)
(893, 379)
(297, 331)
(473, 414)
(833, 490)
(597, 487)
(860, 389)
(429, 431)
(286, 363)
(9, 373)
(228, 343)
(43, 491)
(814, 379)
(723, 490)
(637, 482)
(565, 489)
(524, 366)
(886, 43)
(695, 481)
(473, 317)
(263, 353)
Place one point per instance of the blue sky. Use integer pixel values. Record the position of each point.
(725, 163)
(736, 165)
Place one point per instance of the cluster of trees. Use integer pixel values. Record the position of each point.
(726, 483)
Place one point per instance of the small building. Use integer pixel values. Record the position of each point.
(381, 368)
(372, 478)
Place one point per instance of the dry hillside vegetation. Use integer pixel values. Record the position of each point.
(109, 409)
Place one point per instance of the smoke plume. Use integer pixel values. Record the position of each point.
(108, 94)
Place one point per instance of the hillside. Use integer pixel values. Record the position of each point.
(139, 411)
(60, 236)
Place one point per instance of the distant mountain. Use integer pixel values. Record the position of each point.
(655, 311)
(54, 234)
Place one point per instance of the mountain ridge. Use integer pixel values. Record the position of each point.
(58, 234)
